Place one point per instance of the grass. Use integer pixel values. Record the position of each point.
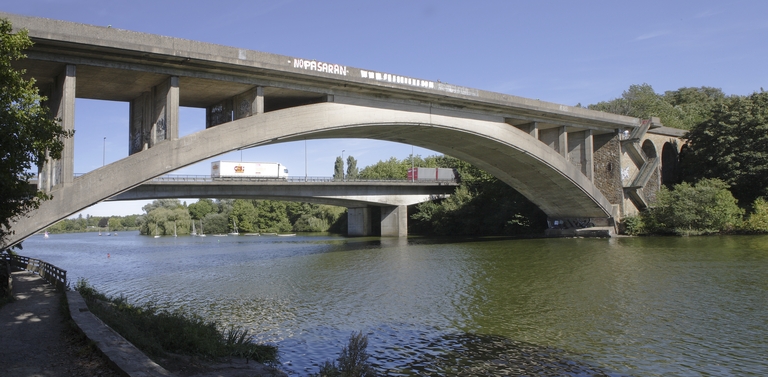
(159, 332)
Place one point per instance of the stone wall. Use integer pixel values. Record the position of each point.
(607, 162)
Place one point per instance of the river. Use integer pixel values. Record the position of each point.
(659, 306)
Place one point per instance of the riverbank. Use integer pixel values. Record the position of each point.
(51, 333)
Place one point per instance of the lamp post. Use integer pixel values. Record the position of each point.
(104, 152)
(342, 165)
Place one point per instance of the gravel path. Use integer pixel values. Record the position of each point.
(35, 339)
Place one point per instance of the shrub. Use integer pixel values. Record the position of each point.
(758, 219)
(707, 207)
(352, 362)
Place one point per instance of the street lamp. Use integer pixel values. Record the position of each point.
(342, 165)
(104, 152)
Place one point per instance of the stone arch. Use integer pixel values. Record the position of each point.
(670, 165)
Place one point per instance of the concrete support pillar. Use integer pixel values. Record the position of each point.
(589, 161)
(154, 116)
(62, 105)
(165, 101)
(359, 221)
(249, 103)
(533, 130)
(394, 221)
(562, 141)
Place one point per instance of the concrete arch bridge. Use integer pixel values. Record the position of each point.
(580, 167)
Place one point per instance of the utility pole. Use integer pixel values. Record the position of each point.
(342, 165)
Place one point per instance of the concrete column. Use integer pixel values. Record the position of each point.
(562, 141)
(359, 221)
(249, 103)
(533, 130)
(259, 103)
(589, 161)
(62, 105)
(165, 111)
(394, 221)
(139, 123)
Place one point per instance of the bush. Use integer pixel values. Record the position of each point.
(758, 219)
(707, 207)
(632, 225)
(352, 362)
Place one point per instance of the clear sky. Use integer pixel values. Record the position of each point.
(566, 52)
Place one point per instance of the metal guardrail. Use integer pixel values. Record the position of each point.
(47, 271)
(208, 178)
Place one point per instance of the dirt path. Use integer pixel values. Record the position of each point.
(35, 339)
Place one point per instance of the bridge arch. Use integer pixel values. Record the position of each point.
(515, 157)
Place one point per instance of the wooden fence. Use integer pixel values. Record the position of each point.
(47, 271)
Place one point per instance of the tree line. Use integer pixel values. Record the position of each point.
(221, 216)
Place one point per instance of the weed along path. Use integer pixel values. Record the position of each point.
(36, 338)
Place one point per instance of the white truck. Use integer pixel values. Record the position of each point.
(432, 174)
(248, 170)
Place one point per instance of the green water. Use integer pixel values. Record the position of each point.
(622, 306)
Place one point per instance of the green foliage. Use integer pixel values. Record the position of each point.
(732, 145)
(164, 217)
(758, 219)
(352, 170)
(157, 332)
(682, 108)
(201, 208)
(632, 225)
(338, 169)
(707, 207)
(273, 217)
(481, 205)
(352, 362)
(27, 133)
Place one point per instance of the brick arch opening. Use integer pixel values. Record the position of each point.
(670, 165)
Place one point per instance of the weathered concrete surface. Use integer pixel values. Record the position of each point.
(536, 171)
(120, 352)
(345, 194)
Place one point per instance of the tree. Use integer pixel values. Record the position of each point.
(201, 208)
(682, 108)
(338, 169)
(732, 145)
(27, 133)
(352, 171)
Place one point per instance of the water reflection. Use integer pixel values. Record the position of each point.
(631, 306)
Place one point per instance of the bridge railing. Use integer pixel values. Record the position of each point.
(208, 178)
(52, 274)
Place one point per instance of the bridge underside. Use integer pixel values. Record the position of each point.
(391, 197)
(543, 150)
(545, 177)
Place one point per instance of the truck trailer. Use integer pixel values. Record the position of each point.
(432, 174)
(249, 170)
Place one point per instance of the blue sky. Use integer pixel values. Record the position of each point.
(565, 52)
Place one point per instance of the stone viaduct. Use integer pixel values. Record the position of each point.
(581, 167)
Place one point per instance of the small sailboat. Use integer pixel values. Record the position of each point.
(45, 235)
(156, 235)
(202, 234)
(194, 231)
(174, 229)
(234, 228)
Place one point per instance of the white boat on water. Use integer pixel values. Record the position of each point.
(156, 235)
(194, 231)
(174, 229)
(45, 235)
(234, 228)
(202, 234)
(286, 235)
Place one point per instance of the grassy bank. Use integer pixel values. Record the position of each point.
(159, 332)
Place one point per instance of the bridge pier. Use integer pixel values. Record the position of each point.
(394, 221)
(62, 105)
(359, 221)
